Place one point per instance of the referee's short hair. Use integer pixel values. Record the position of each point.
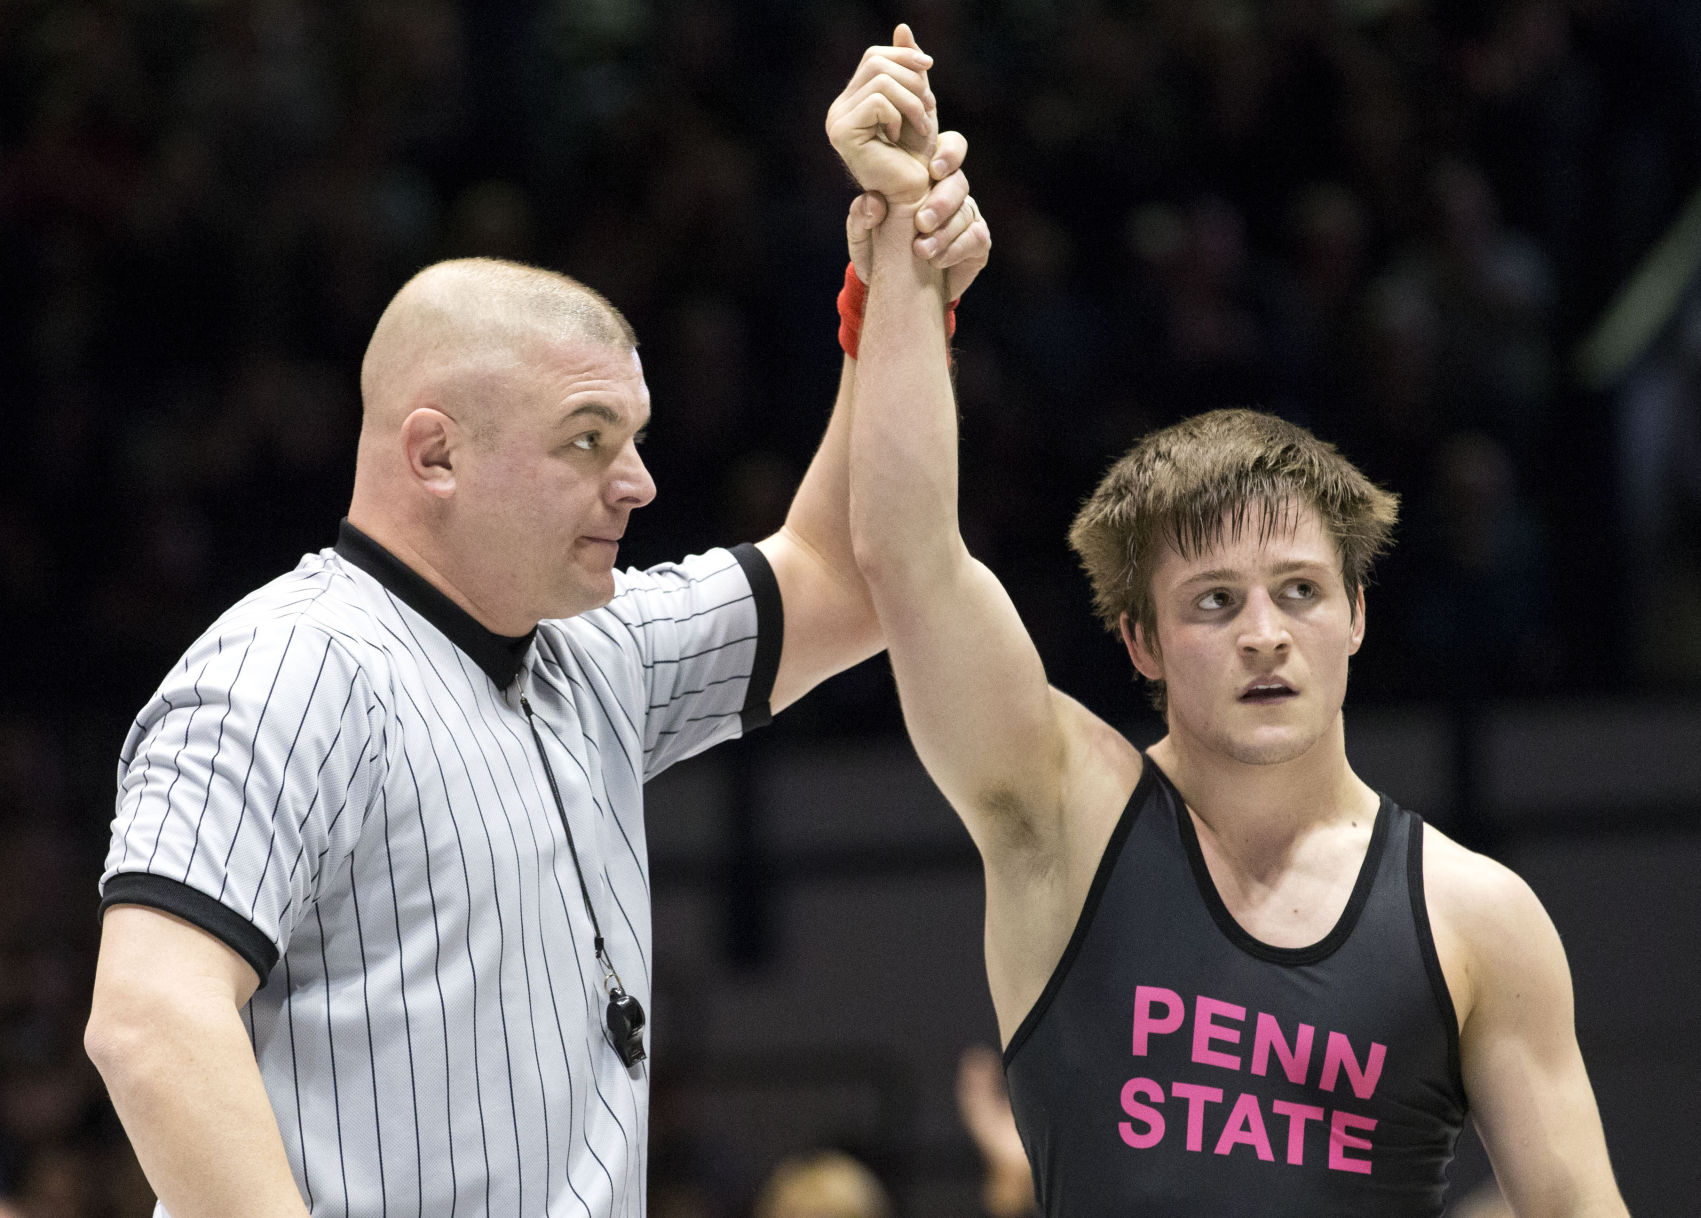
(480, 319)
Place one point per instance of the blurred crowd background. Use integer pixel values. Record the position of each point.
(1395, 221)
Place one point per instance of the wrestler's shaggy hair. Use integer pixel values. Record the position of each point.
(1188, 486)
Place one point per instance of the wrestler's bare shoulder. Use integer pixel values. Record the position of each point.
(1102, 769)
(1485, 919)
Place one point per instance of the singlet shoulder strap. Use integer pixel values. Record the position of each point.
(1426, 942)
(1143, 790)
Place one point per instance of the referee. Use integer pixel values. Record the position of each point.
(376, 931)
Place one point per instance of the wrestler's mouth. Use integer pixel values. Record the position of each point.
(1267, 690)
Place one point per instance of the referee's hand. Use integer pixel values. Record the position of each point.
(951, 233)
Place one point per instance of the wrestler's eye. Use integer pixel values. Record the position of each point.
(1216, 598)
(588, 442)
(1303, 590)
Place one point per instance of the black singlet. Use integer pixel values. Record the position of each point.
(1175, 1065)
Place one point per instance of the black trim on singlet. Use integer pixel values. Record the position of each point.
(500, 655)
(1101, 881)
(770, 633)
(196, 908)
(1257, 948)
(1426, 944)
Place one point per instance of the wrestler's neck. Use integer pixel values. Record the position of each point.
(1264, 806)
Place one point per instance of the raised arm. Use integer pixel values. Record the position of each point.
(1522, 1068)
(166, 1035)
(830, 622)
(995, 738)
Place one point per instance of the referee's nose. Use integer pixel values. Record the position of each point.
(629, 482)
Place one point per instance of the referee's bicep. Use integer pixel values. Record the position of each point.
(246, 780)
(144, 950)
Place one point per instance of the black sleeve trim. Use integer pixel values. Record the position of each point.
(770, 633)
(197, 909)
(1431, 957)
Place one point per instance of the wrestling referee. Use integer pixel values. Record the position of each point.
(376, 933)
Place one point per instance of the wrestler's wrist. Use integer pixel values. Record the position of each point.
(899, 226)
(853, 297)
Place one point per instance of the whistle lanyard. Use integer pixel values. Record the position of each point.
(608, 973)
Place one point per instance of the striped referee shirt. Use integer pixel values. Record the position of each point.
(338, 781)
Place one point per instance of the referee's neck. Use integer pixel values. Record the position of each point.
(428, 563)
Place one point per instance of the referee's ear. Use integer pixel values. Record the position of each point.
(429, 440)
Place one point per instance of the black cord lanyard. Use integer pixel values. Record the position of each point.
(625, 1013)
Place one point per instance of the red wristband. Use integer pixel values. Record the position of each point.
(854, 296)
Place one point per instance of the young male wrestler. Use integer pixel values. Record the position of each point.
(1231, 978)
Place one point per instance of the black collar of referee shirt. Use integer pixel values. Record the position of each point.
(500, 655)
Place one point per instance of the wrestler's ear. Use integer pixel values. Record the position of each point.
(1142, 648)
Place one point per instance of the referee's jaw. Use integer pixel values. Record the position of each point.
(593, 560)
(551, 501)
(583, 577)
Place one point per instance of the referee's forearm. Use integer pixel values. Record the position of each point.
(820, 509)
(185, 1084)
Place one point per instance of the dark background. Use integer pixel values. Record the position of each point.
(1395, 221)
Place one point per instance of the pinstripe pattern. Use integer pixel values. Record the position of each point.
(354, 803)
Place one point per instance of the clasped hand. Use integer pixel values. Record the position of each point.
(884, 126)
